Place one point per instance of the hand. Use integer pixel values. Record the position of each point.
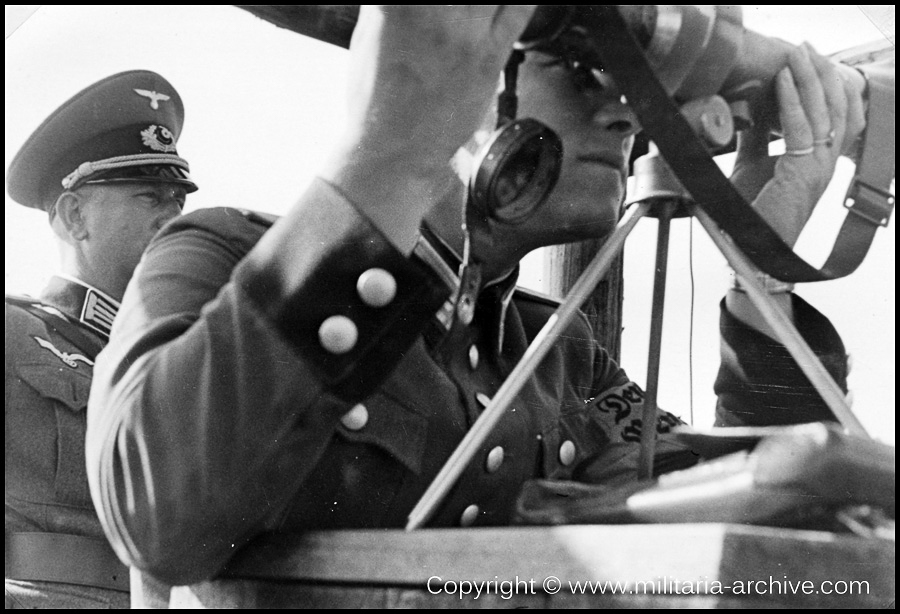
(821, 113)
(422, 77)
(421, 80)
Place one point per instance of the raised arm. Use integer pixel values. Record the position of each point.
(235, 357)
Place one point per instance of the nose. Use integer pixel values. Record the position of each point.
(168, 211)
(613, 113)
(616, 116)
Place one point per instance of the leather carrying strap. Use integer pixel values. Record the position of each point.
(868, 200)
(714, 193)
(57, 557)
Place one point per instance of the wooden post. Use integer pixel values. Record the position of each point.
(562, 266)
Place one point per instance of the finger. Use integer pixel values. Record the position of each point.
(812, 94)
(856, 115)
(835, 97)
(798, 133)
(753, 167)
(753, 142)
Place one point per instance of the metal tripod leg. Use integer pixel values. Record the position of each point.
(664, 213)
(784, 328)
(535, 353)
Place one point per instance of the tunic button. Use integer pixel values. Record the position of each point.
(567, 453)
(376, 287)
(473, 357)
(469, 515)
(356, 418)
(483, 399)
(338, 334)
(494, 459)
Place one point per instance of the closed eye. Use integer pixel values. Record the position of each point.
(154, 199)
(149, 197)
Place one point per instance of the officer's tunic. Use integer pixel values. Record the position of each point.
(280, 392)
(48, 378)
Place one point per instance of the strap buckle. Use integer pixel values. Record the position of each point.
(869, 202)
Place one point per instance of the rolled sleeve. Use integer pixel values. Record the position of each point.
(759, 383)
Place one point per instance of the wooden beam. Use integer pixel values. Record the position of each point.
(653, 565)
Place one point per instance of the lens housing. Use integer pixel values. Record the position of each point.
(516, 170)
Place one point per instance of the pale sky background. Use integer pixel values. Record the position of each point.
(263, 105)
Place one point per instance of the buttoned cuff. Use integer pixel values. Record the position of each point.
(348, 301)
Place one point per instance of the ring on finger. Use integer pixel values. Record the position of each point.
(800, 152)
(828, 141)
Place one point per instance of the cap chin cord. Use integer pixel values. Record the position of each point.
(86, 169)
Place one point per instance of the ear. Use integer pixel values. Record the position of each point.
(70, 215)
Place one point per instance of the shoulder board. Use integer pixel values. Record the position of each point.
(90, 344)
(258, 217)
(536, 297)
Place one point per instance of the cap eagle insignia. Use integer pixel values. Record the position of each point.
(154, 97)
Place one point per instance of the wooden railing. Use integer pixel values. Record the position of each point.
(690, 565)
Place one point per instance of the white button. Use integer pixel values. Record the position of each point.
(567, 453)
(338, 334)
(356, 418)
(483, 399)
(376, 287)
(473, 357)
(469, 515)
(494, 459)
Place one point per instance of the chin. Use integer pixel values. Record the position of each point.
(586, 221)
(597, 229)
(573, 230)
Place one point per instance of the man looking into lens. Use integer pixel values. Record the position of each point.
(316, 374)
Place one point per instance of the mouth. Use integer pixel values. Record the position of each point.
(616, 163)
